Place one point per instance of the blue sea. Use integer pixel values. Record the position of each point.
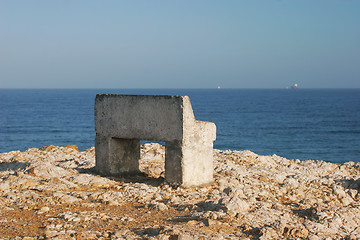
(318, 124)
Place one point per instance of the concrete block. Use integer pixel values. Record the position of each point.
(121, 121)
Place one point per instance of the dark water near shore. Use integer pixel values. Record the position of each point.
(319, 124)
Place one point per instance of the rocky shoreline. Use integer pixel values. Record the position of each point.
(53, 193)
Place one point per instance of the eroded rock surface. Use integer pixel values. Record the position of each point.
(53, 193)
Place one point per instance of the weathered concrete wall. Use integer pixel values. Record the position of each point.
(122, 120)
(144, 117)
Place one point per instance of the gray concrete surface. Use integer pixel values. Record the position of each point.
(121, 121)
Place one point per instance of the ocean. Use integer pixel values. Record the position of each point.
(317, 124)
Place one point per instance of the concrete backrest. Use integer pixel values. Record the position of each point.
(158, 118)
(121, 121)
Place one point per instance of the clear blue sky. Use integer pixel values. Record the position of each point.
(179, 44)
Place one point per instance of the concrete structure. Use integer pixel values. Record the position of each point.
(121, 121)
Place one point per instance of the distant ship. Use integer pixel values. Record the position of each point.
(218, 87)
(295, 86)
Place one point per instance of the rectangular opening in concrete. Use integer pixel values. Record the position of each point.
(142, 142)
(152, 158)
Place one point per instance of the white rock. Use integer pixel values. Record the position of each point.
(92, 180)
(235, 205)
(353, 193)
(291, 183)
(161, 207)
(65, 198)
(43, 210)
(339, 191)
(47, 170)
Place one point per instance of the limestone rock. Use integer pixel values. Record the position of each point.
(235, 205)
(253, 197)
(72, 147)
(47, 170)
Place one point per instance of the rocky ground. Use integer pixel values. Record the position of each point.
(52, 193)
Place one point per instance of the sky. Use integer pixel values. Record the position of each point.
(179, 44)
